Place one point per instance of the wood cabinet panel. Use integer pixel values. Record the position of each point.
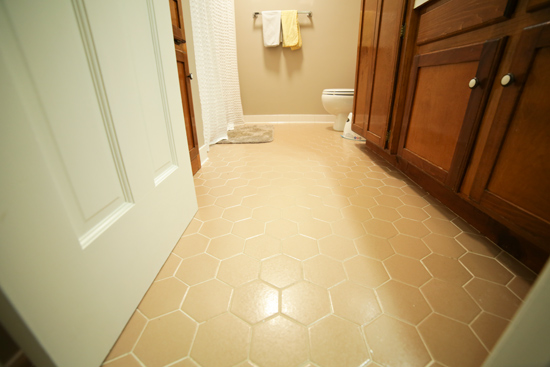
(385, 71)
(175, 13)
(180, 47)
(443, 113)
(513, 177)
(368, 29)
(457, 16)
(377, 63)
(188, 113)
(177, 21)
(525, 147)
(433, 130)
(534, 5)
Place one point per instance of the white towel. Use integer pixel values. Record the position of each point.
(272, 28)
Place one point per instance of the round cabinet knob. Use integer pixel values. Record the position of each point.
(474, 82)
(507, 79)
(190, 76)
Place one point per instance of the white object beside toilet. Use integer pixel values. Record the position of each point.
(348, 133)
(338, 102)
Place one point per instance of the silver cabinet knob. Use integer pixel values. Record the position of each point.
(474, 82)
(507, 79)
(190, 76)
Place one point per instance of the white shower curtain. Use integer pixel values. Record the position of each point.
(213, 23)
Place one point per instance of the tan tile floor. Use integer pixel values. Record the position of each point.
(311, 251)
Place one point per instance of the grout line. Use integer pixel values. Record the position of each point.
(195, 336)
(105, 361)
(479, 339)
(141, 333)
(424, 341)
(137, 359)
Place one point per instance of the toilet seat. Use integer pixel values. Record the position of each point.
(338, 92)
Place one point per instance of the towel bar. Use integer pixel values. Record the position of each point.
(309, 13)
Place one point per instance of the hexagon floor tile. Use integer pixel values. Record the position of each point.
(255, 302)
(279, 342)
(309, 252)
(348, 349)
(305, 302)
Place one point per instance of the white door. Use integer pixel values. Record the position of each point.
(95, 180)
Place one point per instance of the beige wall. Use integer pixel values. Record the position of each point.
(281, 81)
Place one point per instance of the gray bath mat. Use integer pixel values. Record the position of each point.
(249, 134)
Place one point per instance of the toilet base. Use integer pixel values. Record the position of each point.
(340, 121)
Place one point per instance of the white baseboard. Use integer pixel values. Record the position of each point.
(277, 119)
(203, 152)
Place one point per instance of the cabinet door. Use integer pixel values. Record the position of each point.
(513, 179)
(534, 5)
(377, 68)
(368, 32)
(180, 45)
(447, 93)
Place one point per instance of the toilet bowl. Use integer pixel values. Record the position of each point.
(338, 102)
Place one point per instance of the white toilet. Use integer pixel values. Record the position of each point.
(338, 102)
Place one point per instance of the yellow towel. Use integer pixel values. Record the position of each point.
(291, 29)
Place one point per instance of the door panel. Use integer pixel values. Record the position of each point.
(159, 130)
(86, 223)
(438, 139)
(80, 154)
(514, 173)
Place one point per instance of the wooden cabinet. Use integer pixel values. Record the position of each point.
(513, 177)
(447, 94)
(180, 45)
(534, 5)
(480, 147)
(377, 62)
(457, 16)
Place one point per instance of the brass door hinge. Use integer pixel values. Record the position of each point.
(388, 136)
(402, 31)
